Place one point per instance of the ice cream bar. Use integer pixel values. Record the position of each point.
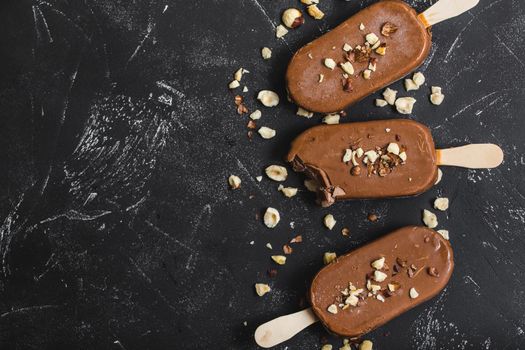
(379, 159)
(375, 47)
(370, 286)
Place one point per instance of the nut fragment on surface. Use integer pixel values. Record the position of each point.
(410, 85)
(326, 346)
(239, 73)
(388, 28)
(271, 217)
(444, 234)
(292, 18)
(332, 309)
(371, 156)
(329, 221)
(440, 175)
(393, 148)
(266, 132)
(367, 74)
(404, 105)
(311, 185)
(331, 119)
(288, 191)
(279, 259)
(321, 78)
(329, 63)
(234, 181)
(381, 50)
(276, 172)
(234, 84)
(315, 12)
(347, 47)
(261, 289)
(309, 2)
(371, 38)
(280, 31)
(379, 276)
(347, 67)
(328, 257)
(429, 219)
(256, 115)
(379, 263)
(441, 203)
(380, 102)
(266, 53)
(304, 113)
(418, 78)
(436, 97)
(390, 96)
(413, 293)
(268, 98)
(366, 345)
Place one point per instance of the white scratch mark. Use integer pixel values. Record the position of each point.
(28, 309)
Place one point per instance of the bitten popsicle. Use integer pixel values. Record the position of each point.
(370, 286)
(379, 159)
(375, 47)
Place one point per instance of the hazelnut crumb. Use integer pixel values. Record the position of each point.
(261, 289)
(328, 257)
(413, 293)
(329, 221)
(271, 217)
(345, 231)
(372, 217)
(279, 259)
(234, 181)
(280, 31)
(315, 12)
(366, 345)
(429, 219)
(266, 53)
(276, 172)
(441, 204)
(332, 309)
(266, 133)
(329, 63)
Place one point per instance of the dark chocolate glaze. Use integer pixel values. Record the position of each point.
(420, 246)
(319, 151)
(406, 50)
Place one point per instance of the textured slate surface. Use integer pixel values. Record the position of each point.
(118, 230)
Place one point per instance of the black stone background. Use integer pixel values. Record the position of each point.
(118, 229)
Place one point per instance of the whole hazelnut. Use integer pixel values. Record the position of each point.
(292, 18)
(355, 171)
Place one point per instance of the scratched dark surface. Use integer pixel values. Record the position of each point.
(117, 227)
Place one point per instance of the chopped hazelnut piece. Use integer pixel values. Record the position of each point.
(266, 133)
(429, 219)
(432, 271)
(234, 181)
(271, 217)
(359, 152)
(371, 156)
(366, 345)
(279, 259)
(441, 204)
(436, 97)
(347, 67)
(315, 12)
(435, 90)
(410, 85)
(256, 115)
(268, 98)
(392, 287)
(381, 50)
(390, 96)
(413, 293)
(440, 175)
(371, 38)
(372, 217)
(280, 31)
(289, 191)
(266, 53)
(355, 171)
(304, 113)
(403, 156)
(379, 276)
(309, 2)
(234, 84)
(352, 300)
(258, 178)
(292, 18)
(345, 231)
(311, 185)
(418, 78)
(276, 172)
(347, 156)
(328, 257)
(331, 119)
(269, 246)
(361, 26)
(332, 309)
(329, 63)
(329, 221)
(326, 346)
(347, 47)
(388, 28)
(380, 102)
(404, 105)
(393, 148)
(287, 249)
(379, 263)
(261, 289)
(321, 78)
(444, 234)
(238, 74)
(367, 73)
(380, 298)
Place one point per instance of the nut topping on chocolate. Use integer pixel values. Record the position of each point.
(432, 271)
(332, 309)
(379, 263)
(413, 293)
(388, 28)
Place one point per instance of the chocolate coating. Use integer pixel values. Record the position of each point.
(319, 152)
(424, 248)
(406, 50)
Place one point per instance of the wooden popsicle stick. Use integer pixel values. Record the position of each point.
(445, 9)
(282, 328)
(475, 156)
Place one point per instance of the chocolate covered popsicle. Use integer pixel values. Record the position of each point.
(375, 47)
(371, 285)
(379, 159)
